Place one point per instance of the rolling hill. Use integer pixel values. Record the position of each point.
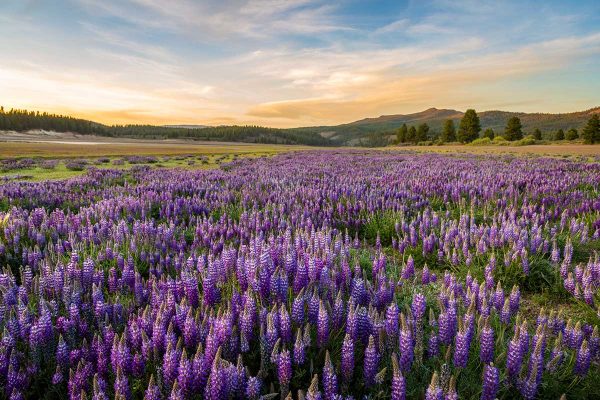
(367, 131)
(352, 132)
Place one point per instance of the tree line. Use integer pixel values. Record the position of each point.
(469, 129)
(23, 120)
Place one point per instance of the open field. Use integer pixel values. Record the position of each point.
(204, 155)
(57, 149)
(168, 154)
(370, 269)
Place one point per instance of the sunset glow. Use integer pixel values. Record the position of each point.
(295, 63)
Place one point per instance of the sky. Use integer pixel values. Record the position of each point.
(287, 63)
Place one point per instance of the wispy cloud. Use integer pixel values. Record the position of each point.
(293, 62)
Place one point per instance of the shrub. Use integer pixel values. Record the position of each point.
(49, 164)
(526, 141)
(76, 165)
(485, 141)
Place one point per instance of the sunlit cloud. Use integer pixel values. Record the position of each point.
(293, 63)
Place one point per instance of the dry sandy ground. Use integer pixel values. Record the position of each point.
(53, 144)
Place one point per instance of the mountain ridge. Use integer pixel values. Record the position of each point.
(352, 132)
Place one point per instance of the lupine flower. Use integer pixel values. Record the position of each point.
(347, 358)
(152, 392)
(406, 345)
(491, 380)
(434, 392)
(329, 379)
(398, 391)
(322, 326)
(371, 362)
(284, 370)
(582, 361)
(486, 350)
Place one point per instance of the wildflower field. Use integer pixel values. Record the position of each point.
(308, 275)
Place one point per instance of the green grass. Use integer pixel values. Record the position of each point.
(62, 172)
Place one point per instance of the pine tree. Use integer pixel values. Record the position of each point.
(422, 132)
(591, 132)
(537, 134)
(572, 134)
(449, 132)
(401, 134)
(513, 130)
(559, 135)
(469, 127)
(412, 135)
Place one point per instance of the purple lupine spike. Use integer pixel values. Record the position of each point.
(347, 358)
(253, 388)
(486, 349)
(329, 377)
(185, 375)
(371, 362)
(216, 387)
(363, 324)
(524, 337)
(170, 365)
(313, 392)
(434, 391)
(122, 386)
(299, 353)
(406, 345)
(338, 314)
(152, 392)
(409, 269)
(582, 361)
(418, 306)
(99, 388)
(285, 326)
(352, 324)
(391, 321)
(433, 346)
(491, 381)
(461, 349)
(514, 357)
(62, 352)
(425, 275)
(313, 308)
(528, 387)
(556, 355)
(322, 326)
(515, 297)
(57, 378)
(451, 393)
(298, 308)
(284, 371)
(398, 391)
(498, 297)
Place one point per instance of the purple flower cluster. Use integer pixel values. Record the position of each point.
(274, 276)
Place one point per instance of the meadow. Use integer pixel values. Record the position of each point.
(260, 273)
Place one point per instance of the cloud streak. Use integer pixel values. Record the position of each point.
(292, 63)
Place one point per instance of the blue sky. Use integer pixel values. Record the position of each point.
(296, 62)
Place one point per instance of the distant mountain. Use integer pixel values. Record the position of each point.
(353, 132)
